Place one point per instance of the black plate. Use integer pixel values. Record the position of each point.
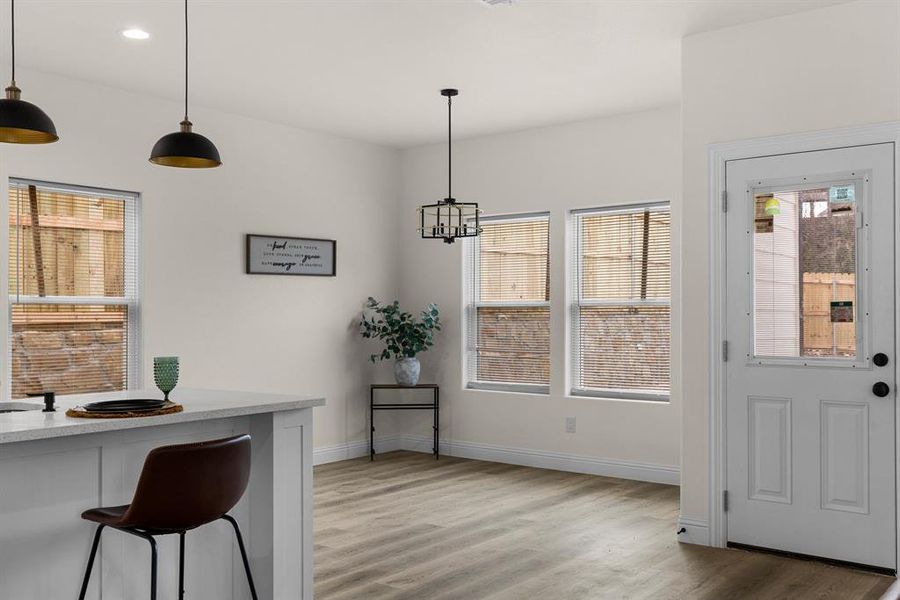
(115, 406)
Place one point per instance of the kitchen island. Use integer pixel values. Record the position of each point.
(52, 467)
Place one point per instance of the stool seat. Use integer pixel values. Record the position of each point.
(107, 515)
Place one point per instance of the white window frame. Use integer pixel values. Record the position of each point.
(471, 292)
(576, 302)
(131, 299)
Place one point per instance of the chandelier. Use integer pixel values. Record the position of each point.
(449, 219)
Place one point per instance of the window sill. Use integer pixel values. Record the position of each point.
(658, 399)
(511, 388)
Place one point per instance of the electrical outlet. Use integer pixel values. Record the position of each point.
(570, 424)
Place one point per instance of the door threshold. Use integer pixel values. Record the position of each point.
(828, 561)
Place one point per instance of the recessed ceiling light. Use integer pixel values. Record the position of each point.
(136, 34)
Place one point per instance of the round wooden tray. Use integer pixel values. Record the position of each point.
(168, 409)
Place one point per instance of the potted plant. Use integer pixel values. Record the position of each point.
(403, 335)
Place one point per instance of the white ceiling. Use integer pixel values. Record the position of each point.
(371, 69)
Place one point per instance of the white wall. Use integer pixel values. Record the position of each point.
(629, 158)
(823, 69)
(231, 330)
(814, 70)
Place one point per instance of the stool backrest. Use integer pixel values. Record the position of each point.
(188, 485)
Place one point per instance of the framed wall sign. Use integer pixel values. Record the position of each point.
(282, 255)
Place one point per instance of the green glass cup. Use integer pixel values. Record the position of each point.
(165, 373)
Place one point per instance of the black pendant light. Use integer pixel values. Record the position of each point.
(185, 148)
(22, 122)
(448, 219)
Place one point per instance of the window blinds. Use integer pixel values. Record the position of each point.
(508, 304)
(73, 277)
(621, 313)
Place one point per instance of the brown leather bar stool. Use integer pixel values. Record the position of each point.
(181, 488)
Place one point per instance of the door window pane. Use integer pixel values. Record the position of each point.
(804, 273)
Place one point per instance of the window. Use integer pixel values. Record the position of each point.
(804, 272)
(73, 289)
(508, 305)
(621, 302)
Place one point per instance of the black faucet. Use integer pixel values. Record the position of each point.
(49, 400)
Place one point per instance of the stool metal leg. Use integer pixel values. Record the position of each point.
(90, 564)
(153, 568)
(240, 540)
(181, 565)
(153, 556)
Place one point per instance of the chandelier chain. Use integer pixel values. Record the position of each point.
(449, 147)
(12, 37)
(185, 60)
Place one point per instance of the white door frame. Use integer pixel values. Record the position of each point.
(719, 155)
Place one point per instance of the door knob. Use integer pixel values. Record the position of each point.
(880, 359)
(881, 389)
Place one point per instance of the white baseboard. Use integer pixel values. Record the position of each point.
(696, 531)
(548, 460)
(328, 454)
(515, 456)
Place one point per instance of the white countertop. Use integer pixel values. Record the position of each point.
(199, 405)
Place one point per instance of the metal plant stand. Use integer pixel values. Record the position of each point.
(434, 406)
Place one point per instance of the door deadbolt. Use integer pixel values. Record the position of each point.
(881, 389)
(880, 359)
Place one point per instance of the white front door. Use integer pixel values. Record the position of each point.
(809, 320)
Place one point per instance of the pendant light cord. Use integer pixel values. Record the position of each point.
(185, 60)
(449, 148)
(12, 37)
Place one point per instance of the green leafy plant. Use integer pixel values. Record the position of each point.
(403, 335)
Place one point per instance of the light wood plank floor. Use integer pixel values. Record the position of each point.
(410, 527)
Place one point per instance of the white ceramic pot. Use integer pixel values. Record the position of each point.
(406, 371)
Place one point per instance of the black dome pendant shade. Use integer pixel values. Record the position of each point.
(185, 148)
(22, 122)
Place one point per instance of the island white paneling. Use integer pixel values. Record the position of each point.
(46, 483)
